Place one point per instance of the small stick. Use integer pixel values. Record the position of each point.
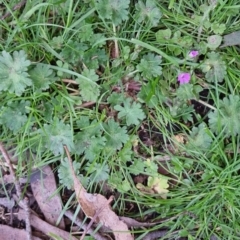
(24, 203)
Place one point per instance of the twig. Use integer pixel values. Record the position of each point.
(16, 7)
(69, 81)
(115, 53)
(24, 203)
(83, 226)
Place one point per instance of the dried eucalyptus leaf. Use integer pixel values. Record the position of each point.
(231, 39)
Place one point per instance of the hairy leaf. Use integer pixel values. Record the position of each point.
(149, 66)
(14, 77)
(114, 10)
(55, 135)
(42, 76)
(199, 138)
(227, 117)
(115, 135)
(88, 88)
(132, 112)
(148, 12)
(214, 67)
(13, 116)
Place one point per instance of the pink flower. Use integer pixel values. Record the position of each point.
(193, 54)
(184, 78)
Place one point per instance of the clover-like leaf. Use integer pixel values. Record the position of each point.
(42, 76)
(114, 10)
(150, 66)
(132, 112)
(14, 76)
(214, 41)
(218, 28)
(199, 138)
(163, 34)
(55, 135)
(115, 135)
(98, 172)
(90, 146)
(13, 116)
(188, 91)
(148, 12)
(65, 174)
(89, 90)
(227, 117)
(214, 67)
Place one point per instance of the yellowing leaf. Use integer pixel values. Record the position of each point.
(156, 185)
(159, 185)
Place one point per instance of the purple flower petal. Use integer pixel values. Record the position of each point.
(184, 78)
(193, 54)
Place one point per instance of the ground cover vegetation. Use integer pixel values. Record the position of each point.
(144, 95)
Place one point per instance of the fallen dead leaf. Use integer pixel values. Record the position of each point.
(44, 188)
(231, 39)
(97, 206)
(14, 233)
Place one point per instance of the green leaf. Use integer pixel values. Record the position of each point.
(132, 112)
(55, 135)
(42, 76)
(65, 174)
(115, 98)
(214, 41)
(13, 116)
(188, 91)
(148, 12)
(151, 168)
(14, 77)
(115, 135)
(163, 35)
(137, 167)
(227, 117)
(199, 138)
(73, 51)
(91, 147)
(85, 32)
(214, 67)
(114, 10)
(218, 28)
(99, 172)
(89, 90)
(124, 186)
(149, 66)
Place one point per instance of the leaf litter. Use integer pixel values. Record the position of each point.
(97, 207)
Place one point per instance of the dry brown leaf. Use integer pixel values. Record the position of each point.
(97, 205)
(44, 187)
(45, 227)
(14, 233)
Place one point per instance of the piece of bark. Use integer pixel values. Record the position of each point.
(14, 233)
(44, 188)
(45, 227)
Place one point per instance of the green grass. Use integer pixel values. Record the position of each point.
(204, 199)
